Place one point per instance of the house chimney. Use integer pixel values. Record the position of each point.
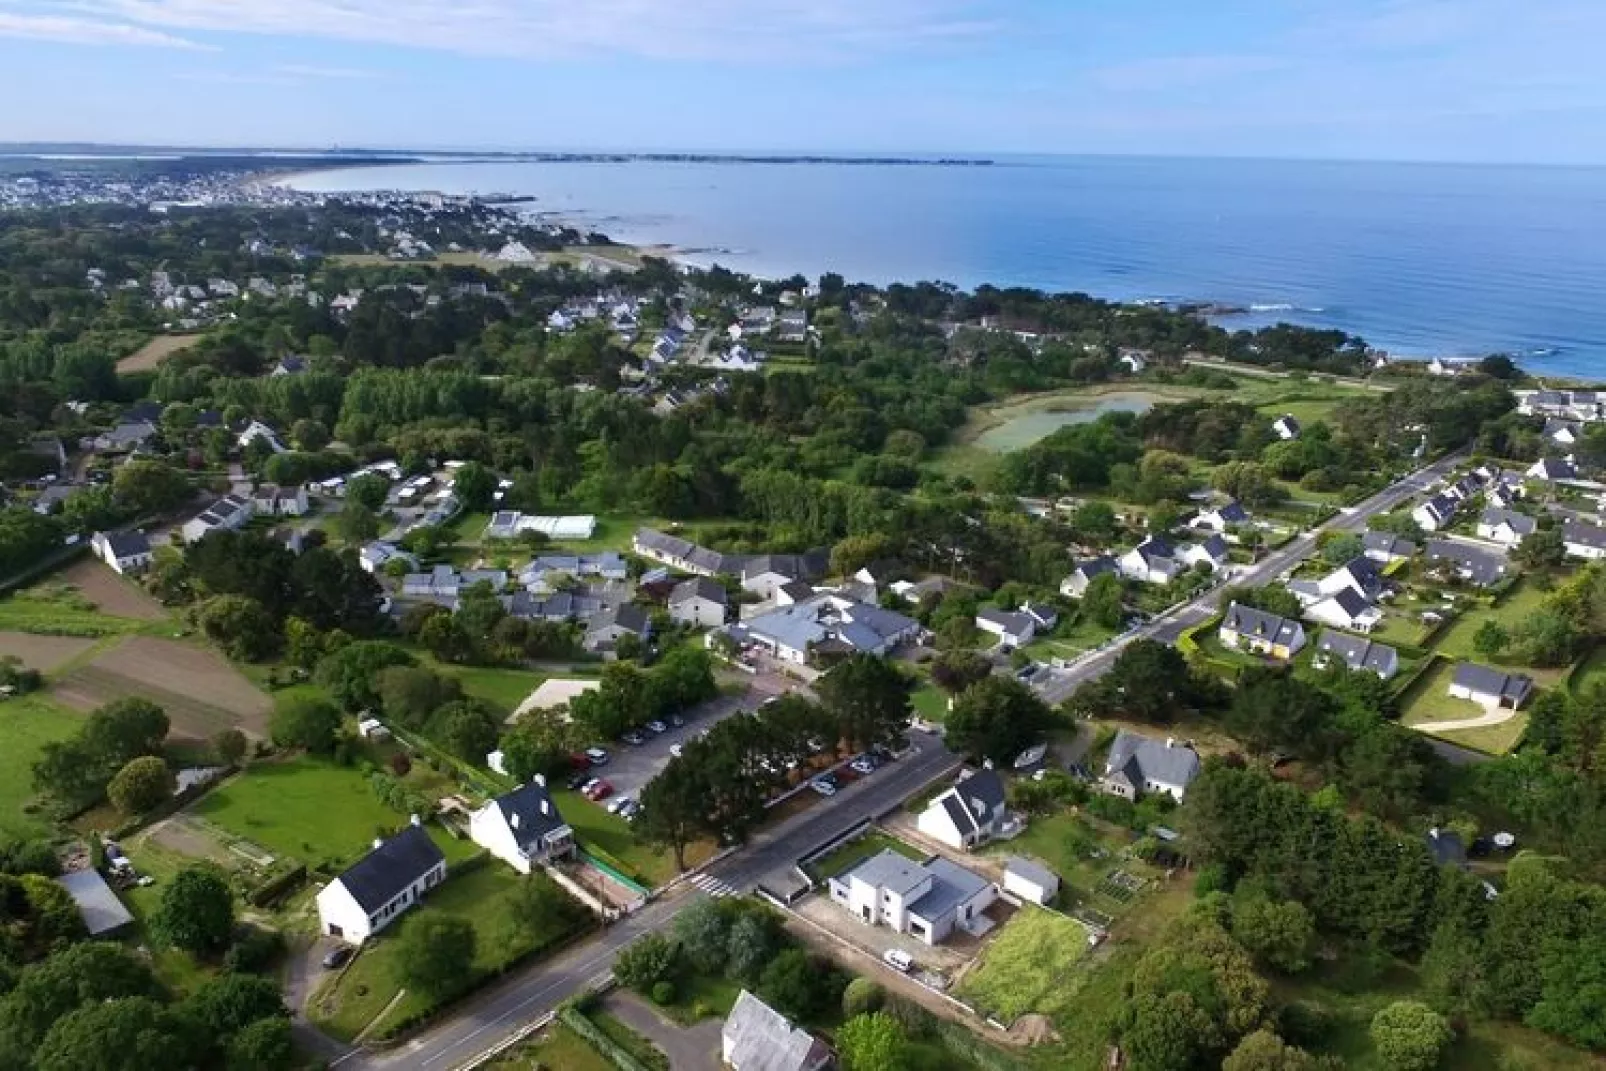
(514, 820)
(540, 779)
(415, 820)
(546, 806)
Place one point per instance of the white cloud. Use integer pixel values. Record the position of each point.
(734, 30)
(301, 70)
(87, 31)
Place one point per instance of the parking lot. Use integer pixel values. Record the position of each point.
(629, 767)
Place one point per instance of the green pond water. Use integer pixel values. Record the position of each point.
(1028, 428)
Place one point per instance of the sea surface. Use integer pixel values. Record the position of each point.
(1419, 259)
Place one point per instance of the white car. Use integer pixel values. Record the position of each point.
(618, 804)
(675, 750)
(824, 788)
(898, 960)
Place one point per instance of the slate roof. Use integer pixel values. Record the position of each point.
(888, 870)
(1359, 653)
(1233, 513)
(1521, 524)
(629, 617)
(1585, 535)
(99, 906)
(380, 876)
(1013, 624)
(1248, 621)
(1145, 759)
(1215, 546)
(1097, 567)
(531, 813)
(1042, 877)
(1446, 846)
(130, 544)
(698, 587)
(759, 1038)
(951, 885)
(1483, 680)
(1482, 567)
(1389, 543)
(1555, 469)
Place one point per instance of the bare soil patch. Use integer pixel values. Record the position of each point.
(110, 593)
(200, 691)
(43, 653)
(148, 356)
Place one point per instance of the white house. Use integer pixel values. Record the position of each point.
(1211, 552)
(1244, 627)
(1436, 513)
(1583, 540)
(1346, 610)
(382, 886)
(969, 814)
(1492, 689)
(376, 555)
(257, 430)
(1075, 585)
(125, 552)
(1134, 360)
(1152, 561)
(1222, 518)
(1139, 764)
(229, 513)
(756, 1037)
(1553, 468)
(1386, 548)
(1286, 427)
(1505, 527)
(699, 602)
(926, 900)
(1027, 881)
(271, 500)
(523, 828)
(1356, 653)
(1016, 628)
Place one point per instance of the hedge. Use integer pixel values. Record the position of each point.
(576, 1020)
(273, 890)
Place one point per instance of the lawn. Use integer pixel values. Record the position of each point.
(30, 611)
(27, 724)
(1591, 671)
(1514, 609)
(556, 1047)
(1428, 700)
(308, 809)
(1069, 641)
(930, 702)
(854, 852)
(504, 689)
(1029, 967)
(350, 1004)
(596, 829)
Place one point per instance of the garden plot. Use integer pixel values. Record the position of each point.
(110, 593)
(200, 691)
(43, 653)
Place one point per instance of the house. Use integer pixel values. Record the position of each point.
(53, 498)
(509, 524)
(825, 623)
(1436, 513)
(289, 366)
(969, 814)
(523, 828)
(128, 435)
(1551, 469)
(98, 905)
(604, 631)
(1492, 688)
(1286, 427)
(763, 573)
(228, 514)
(926, 900)
(1583, 540)
(1472, 564)
(1140, 764)
(271, 500)
(699, 602)
(382, 886)
(1561, 432)
(1211, 552)
(257, 430)
(684, 555)
(1357, 653)
(1262, 633)
(1075, 585)
(1016, 628)
(1134, 360)
(1027, 881)
(1219, 520)
(1386, 547)
(125, 552)
(1347, 610)
(756, 1037)
(1152, 561)
(376, 555)
(1505, 527)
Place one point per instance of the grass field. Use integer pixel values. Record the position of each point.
(504, 689)
(556, 1047)
(1428, 700)
(27, 724)
(1591, 672)
(855, 852)
(308, 809)
(595, 828)
(1514, 609)
(481, 896)
(930, 702)
(1029, 967)
(459, 260)
(1069, 641)
(148, 356)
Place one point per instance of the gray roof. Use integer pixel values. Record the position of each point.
(1359, 653)
(759, 1038)
(1143, 759)
(698, 587)
(1248, 621)
(1486, 681)
(951, 885)
(888, 870)
(130, 544)
(1037, 875)
(1552, 468)
(1215, 546)
(1441, 506)
(1520, 523)
(380, 876)
(1097, 566)
(100, 907)
(1015, 624)
(1351, 602)
(530, 812)
(629, 617)
(860, 625)
(1446, 847)
(1389, 543)
(1585, 535)
(1483, 567)
(1233, 513)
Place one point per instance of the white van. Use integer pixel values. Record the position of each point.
(898, 960)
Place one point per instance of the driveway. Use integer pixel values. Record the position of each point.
(689, 1048)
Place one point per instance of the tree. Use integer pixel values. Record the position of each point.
(1277, 934)
(309, 435)
(229, 746)
(861, 997)
(241, 626)
(53, 917)
(140, 785)
(799, 986)
(70, 771)
(228, 1003)
(540, 742)
(125, 729)
(750, 946)
(410, 694)
(1342, 547)
(1273, 598)
(1149, 681)
(466, 728)
(954, 671)
(1104, 601)
(196, 912)
(127, 1034)
(81, 974)
(356, 523)
(1491, 639)
(370, 489)
(1248, 482)
(873, 1042)
(1275, 709)
(701, 931)
(472, 485)
(1095, 522)
(1410, 1036)
(436, 956)
(1265, 1051)
(676, 806)
(646, 961)
(306, 722)
(350, 674)
(265, 1045)
(147, 487)
(1542, 551)
(996, 719)
(869, 700)
(1573, 1005)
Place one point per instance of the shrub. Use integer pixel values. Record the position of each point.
(663, 992)
(255, 949)
(861, 997)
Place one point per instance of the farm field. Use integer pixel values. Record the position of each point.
(1029, 967)
(43, 653)
(27, 724)
(201, 692)
(148, 356)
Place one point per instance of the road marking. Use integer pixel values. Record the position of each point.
(713, 886)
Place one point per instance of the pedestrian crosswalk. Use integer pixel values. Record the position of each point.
(712, 886)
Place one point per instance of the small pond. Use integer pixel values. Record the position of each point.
(1021, 431)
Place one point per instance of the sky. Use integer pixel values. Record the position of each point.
(1506, 81)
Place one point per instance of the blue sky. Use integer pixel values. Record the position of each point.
(1485, 80)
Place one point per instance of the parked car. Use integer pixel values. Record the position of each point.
(656, 727)
(579, 781)
(618, 804)
(633, 738)
(585, 786)
(337, 957)
(863, 766)
(599, 791)
(823, 787)
(630, 810)
(597, 755)
(675, 750)
(579, 760)
(898, 960)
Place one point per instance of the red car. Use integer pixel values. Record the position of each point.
(599, 791)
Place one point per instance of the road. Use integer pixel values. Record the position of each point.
(1169, 626)
(497, 1012)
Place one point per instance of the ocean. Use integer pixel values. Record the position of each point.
(1418, 259)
